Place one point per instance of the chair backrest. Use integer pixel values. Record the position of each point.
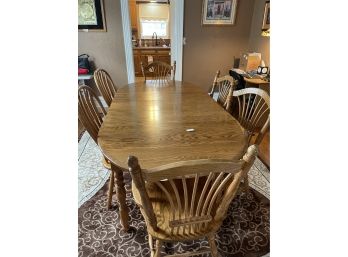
(160, 72)
(225, 86)
(91, 111)
(253, 110)
(217, 75)
(105, 85)
(198, 192)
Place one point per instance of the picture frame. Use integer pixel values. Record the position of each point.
(91, 15)
(266, 17)
(219, 12)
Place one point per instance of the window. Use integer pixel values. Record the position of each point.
(153, 18)
(148, 27)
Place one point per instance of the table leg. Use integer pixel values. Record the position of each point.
(111, 189)
(121, 196)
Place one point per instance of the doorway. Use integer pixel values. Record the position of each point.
(150, 25)
(137, 27)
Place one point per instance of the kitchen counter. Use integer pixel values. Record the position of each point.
(151, 47)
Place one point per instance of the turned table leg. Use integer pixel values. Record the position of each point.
(111, 189)
(121, 196)
(246, 183)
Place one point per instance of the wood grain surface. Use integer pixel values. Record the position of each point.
(150, 122)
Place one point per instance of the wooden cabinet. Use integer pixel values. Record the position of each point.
(143, 55)
(137, 66)
(133, 14)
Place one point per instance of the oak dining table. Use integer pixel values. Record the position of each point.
(162, 124)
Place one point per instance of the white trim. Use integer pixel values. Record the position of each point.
(176, 41)
(127, 37)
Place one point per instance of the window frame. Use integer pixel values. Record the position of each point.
(141, 20)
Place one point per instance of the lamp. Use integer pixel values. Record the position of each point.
(266, 32)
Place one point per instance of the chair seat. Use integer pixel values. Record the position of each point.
(164, 214)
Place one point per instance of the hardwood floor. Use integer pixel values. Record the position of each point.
(139, 79)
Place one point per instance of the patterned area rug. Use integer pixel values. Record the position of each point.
(91, 173)
(245, 232)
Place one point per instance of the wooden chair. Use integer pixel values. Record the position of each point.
(159, 71)
(105, 85)
(225, 86)
(187, 200)
(251, 107)
(91, 114)
(217, 75)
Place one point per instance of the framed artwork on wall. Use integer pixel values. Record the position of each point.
(219, 12)
(266, 17)
(91, 15)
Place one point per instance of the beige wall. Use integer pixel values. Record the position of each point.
(209, 48)
(258, 43)
(107, 48)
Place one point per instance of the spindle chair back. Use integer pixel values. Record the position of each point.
(91, 111)
(225, 86)
(91, 114)
(211, 92)
(187, 200)
(159, 72)
(105, 85)
(253, 112)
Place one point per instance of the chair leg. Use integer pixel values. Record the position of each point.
(212, 244)
(152, 249)
(246, 183)
(111, 189)
(158, 248)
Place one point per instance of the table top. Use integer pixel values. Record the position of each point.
(150, 122)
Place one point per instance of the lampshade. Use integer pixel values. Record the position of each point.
(266, 33)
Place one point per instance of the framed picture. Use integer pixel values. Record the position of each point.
(266, 17)
(91, 15)
(219, 12)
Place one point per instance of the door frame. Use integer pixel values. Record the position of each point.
(176, 40)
